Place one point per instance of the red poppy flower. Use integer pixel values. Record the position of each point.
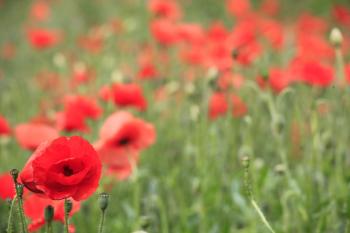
(278, 79)
(164, 31)
(34, 208)
(31, 135)
(7, 187)
(342, 14)
(76, 110)
(129, 94)
(239, 108)
(41, 38)
(62, 168)
(273, 32)
(168, 9)
(40, 10)
(191, 33)
(239, 8)
(4, 126)
(122, 136)
(312, 72)
(270, 7)
(147, 71)
(218, 105)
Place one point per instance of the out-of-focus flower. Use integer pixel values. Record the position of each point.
(238, 8)
(129, 94)
(239, 108)
(342, 14)
(7, 187)
(31, 135)
(5, 129)
(63, 168)
(76, 110)
(40, 10)
(167, 9)
(41, 38)
(218, 105)
(122, 137)
(164, 31)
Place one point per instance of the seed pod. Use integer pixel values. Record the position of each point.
(103, 201)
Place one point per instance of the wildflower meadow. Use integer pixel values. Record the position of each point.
(175, 116)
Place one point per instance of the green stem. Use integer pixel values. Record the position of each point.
(339, 66)
(100, 227)
(261, 215)
(66, 217)
(10, 219)
(22, 216)
(48, 227)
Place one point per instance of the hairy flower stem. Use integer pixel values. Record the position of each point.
(24, 228)
(100, 227)
(10, 219)
(67, 209)
(247, 184)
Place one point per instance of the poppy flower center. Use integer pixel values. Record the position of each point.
(67, 171)
(124, 141)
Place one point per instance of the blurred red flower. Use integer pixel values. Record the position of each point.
(129, 94)
(168, 9)
(41, 38)
(7, 187)
(239, 108)
(40, 10)
(238, 8)
(218, 105)
(164, 31)
(62, 168)
(4, 126)
(34, 208)
(122, 136)
(77, 109)
(342, 14)
(31, 135)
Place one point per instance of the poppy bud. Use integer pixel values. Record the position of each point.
(49, 213)
(14, 174)
(336, 37)
(103, 201)
(19, 190)
(68, 205)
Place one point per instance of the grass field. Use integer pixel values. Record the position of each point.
(291, 124)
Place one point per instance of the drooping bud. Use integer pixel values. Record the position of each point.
(14, 174)
(103, 201)
(49, 213)
(336, 37)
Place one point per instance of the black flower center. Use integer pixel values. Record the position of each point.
(67, 171)
(124, 141)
